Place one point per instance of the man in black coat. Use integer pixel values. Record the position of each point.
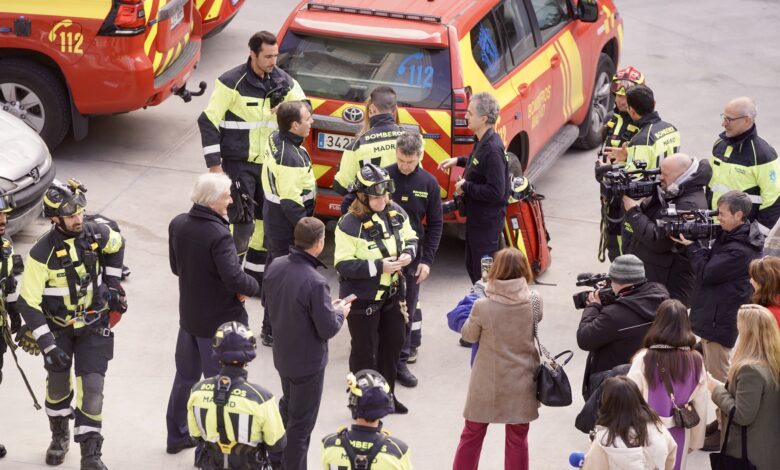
(723, 283)
(666, 262)
(212, 289)
(613, 333)
(485, 183)
(303, 318)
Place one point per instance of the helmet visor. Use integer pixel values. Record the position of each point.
(73, 205)
(619, 87)
(7, 203)
(381, 188)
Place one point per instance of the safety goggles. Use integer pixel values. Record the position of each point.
(7, 203)
(381, 188)
(619, 87)
(73, 205)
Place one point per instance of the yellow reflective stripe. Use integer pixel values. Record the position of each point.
(443, 120)
(432, 147)
(319, 170)
(88, 9)
(151, 35)
(572, 59)
(337, 113)
(565, 82)
(316, 103)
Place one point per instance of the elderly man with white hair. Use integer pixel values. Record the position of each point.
(743, 161)
(485, 183)
(212, 290)
(682, 183)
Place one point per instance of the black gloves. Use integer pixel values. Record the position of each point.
(56, 360)
(117, 301)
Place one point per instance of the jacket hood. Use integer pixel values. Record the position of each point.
(748, 234)
(648, 119)
(509, 291)
(700, 178)
(644, 299)
(622, 457)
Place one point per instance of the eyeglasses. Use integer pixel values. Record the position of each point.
(729, 120)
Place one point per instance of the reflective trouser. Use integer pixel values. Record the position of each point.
(247, 234)
(413, 336)
(91, 352)
(376, 339)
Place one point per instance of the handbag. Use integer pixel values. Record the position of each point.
(684, 416)
(552, 384)
(721, 461)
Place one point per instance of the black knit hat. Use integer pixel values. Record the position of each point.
(627, 269)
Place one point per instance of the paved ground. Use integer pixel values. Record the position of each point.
(139, 167)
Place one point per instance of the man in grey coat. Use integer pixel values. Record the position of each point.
(303, 318)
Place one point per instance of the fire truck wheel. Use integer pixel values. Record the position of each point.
(601, 103)
(35, 95)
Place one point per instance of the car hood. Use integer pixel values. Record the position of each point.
(21, 148)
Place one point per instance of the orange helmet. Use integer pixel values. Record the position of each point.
(625, 79)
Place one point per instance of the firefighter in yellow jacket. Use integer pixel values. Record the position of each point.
(376, 144)
(237, 423)
(366, 445)
(70, 289)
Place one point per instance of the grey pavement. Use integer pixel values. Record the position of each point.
(139, 166)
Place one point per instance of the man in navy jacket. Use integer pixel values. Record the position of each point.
(212, 289)
(303, 318)
(485, 184)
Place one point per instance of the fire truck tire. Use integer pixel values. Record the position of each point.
(47, 107)
(601, 103)
(515, 166)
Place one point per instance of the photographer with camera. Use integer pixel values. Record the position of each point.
(234, 130)
(682, 183)
(484, 188)
(723, 284)
(616, 317)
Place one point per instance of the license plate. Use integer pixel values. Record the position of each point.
(178, 15)
(338, 142)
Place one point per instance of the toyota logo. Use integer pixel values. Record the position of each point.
(352, 114)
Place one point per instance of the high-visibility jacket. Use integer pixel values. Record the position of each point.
(361, 245)
(45, 298)
(747, 163)
(9, 290)
(376, 145)
(393, 454)
(238, 120)
(289, 185)
(249, 415)
(654, 141)
(619, 129)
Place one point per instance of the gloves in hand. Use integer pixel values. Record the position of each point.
(25, 339)
(117, 301)
(56, 359)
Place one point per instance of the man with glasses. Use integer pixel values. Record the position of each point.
(743, 161)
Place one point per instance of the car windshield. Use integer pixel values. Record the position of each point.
(348, 69)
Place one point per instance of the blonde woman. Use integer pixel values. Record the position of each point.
(753, 389)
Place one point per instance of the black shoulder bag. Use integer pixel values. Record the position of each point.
(721, 461)
(684, 416)
(552, 384)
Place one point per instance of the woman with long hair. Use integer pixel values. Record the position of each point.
(629, 434)
(668, 354)
(502, 387)
(765, 278)
(752, 389)
(374, 241)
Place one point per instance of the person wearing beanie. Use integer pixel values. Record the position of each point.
(612, 331)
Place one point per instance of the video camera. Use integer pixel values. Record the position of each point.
(603, 285)
(616, 182)
(454, 204)
(696, 224)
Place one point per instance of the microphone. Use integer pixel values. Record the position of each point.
(577, 459)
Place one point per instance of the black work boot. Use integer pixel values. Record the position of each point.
(90, 454)
(60, 439)
(405, 376)
(2, 451)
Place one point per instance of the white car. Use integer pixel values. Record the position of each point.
(26, 170)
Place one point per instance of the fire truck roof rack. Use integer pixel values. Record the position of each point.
(373, 12)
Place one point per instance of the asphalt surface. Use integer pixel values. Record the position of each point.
(139, 167)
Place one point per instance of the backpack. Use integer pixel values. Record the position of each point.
(525, 228)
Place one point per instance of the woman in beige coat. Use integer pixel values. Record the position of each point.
(753, 389)
(502, 387)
